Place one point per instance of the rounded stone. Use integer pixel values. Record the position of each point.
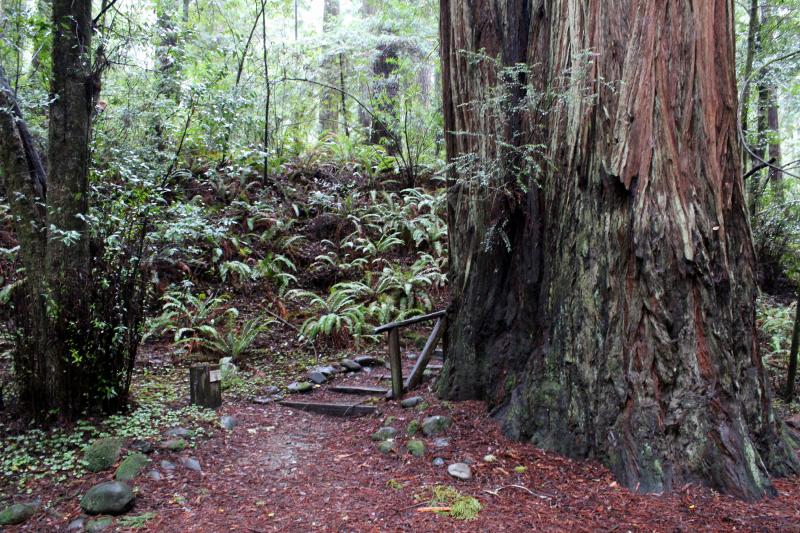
(434, 425)
(111, 497)
(384, 434)
(351, 366)
(300, 387)
(438, 461)
(177, 433)
(130, 467)
(191, 464)
(411, 402)
(174, 445)
(102, 454)
(387, 446)
(228, 422)
(460, 471)
(17, 514)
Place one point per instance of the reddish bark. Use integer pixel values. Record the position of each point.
(619, 323)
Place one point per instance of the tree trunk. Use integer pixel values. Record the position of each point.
(791, 374)
(768, 105)
(329, 98)
(604, 306)
(67, 255)
(752, 32)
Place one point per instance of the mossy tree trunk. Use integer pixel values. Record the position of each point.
(58, 368)
(614, 317)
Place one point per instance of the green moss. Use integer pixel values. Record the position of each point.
(102, 454)
(413, 427)
(416, 448)
(131, 466)
(462, 506)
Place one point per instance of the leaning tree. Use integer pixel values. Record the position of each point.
(602, 267)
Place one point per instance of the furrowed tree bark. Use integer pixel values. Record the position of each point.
(616, 318)
(67, 254)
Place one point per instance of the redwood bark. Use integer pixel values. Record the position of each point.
(619, 322)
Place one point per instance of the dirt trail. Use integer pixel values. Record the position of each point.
(285, 470)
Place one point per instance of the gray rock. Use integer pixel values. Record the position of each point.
(351, 366)
(413, 401)
(191, 464)
(271, 390)
(143, 446)
(228, 422)
(300, 387)
(416, 448)
(434, 425)
(327, 371)
(154, 475)
(460, 471)
(368, 360)
(111, 497)
(177, 433)
(17, 513)
(441, 442)
(77, 524)
(263, 400)
(174, 445)
(438, 461)
(102, 454)
(167, 465)
(130, 467)
(317, 377)
(384, 434)
(99, 524)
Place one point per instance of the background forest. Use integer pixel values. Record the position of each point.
(267, 185)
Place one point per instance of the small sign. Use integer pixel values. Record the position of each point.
(214, 375)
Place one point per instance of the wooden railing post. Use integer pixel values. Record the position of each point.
(396, 363)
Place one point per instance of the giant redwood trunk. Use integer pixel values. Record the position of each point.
(603, 306)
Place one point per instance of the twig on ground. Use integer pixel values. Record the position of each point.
(496, 492)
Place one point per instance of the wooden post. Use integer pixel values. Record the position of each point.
(204, 385)
(415, 378)
(396, 363)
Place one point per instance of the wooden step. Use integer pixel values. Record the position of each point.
(332, 409)
(365, 391)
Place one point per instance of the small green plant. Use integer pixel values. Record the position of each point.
(185, 315)
(234, 342)
(136, 522)
(337, 317)
(394, 484)
(461, 506)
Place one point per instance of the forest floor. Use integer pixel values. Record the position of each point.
(281, 469)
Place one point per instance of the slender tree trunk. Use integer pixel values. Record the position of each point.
(752, 32)
(604, 306)
(791, 375)
(768, 104)
(329, 98)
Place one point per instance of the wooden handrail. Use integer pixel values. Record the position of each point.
(410, 321)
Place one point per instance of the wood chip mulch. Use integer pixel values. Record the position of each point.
(286, 470)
